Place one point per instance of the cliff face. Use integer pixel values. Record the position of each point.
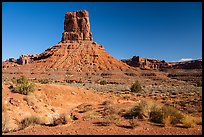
(76, 26)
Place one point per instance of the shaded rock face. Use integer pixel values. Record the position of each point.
(76, 26)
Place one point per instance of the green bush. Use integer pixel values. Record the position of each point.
(136, 87)
(44, 81)
(156, 114)
(103, 82)
(22, 80)
(23, 86)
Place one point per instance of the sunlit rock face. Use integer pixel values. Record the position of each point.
(77, 26)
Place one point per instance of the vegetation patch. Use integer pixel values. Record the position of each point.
(28, 121)
(161, 114)
(44, 81)
(22, 86)
(199, 84)
(136, 87)
(103, 82)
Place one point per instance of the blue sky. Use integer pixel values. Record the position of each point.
(163, 30)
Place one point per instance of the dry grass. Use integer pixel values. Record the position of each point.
(142, 111)
(28, 121)
(198, 120)
(188, 122)
(161, 114)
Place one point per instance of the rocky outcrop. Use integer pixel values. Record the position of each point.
(26, 59)
(193, 64)
(146, 63)
(23, 59)
(76, 26)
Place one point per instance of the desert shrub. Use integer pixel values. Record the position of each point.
(136, 87)
(166, 115)
(199, 84)
(175, 115)
(141, 111)
(28, 121)
(44, 81)
(103, 82)
(22, 80)
(156, 114)
(23, 86)
(188, 122)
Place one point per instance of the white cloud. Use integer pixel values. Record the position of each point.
(185, 59)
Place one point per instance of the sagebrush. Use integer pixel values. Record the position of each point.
(23, 86)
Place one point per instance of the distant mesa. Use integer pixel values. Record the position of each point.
(148, 63)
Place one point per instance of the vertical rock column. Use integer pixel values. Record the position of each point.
(77, 26)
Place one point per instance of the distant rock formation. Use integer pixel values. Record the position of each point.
(193, 64)
(26, 59)
(23, 59)
(146, 63)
